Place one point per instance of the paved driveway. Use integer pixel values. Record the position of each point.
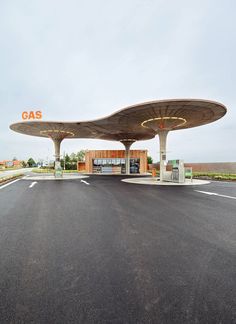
(105, 251)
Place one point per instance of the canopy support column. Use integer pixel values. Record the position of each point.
(127, 143)
(162, 139)
(57, 145)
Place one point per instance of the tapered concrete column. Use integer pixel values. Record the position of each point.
(58, 169)
(127, 143)
(127, 159)
(57, 145)
(162, 140)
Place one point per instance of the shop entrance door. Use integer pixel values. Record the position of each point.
(134, 166)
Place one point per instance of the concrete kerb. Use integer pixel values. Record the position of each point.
(156, 182)
(52, 177)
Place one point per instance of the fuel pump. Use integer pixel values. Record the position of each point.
(178, 171)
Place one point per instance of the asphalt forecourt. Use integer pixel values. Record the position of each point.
(98, 250)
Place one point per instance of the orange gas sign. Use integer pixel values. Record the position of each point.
(29, 115)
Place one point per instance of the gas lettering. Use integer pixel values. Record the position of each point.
(38, 114)
(24, 115)
(31, 115)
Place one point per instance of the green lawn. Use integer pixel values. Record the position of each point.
(211, 175)
(215, 176)
(36, 170)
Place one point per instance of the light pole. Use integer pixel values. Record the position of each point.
(64, 157)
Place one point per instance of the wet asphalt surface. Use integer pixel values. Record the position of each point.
(112, 252)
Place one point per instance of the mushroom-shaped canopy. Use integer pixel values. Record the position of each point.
(138, 122)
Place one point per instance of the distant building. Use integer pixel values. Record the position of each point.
(10, 164)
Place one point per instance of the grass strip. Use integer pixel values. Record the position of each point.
(5, 180)
(215, 176)
(52, 171)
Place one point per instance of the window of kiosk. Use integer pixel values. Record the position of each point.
(134, 165)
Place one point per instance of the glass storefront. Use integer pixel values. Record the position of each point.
(134, 165)
(115, 166)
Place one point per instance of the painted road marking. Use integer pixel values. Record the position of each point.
(32, 184)
(85, 182)
(9, 183)
(215, 194)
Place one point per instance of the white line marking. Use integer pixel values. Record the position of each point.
(32, 184)
(9, 183)
(85, 182)
(215, 194)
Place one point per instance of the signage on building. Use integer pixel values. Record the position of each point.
(31, 115)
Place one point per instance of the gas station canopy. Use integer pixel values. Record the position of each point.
(134, 123)
(138, 122)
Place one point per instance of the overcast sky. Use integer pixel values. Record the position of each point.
(80, 60)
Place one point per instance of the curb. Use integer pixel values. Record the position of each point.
(4, 181)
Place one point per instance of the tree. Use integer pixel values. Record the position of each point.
(24, 165)
(62, 163)
(149, 160)
(14, 159)
(69, 164)
(31, 162)
(73, 157)
(80, 155)
(67, 158)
